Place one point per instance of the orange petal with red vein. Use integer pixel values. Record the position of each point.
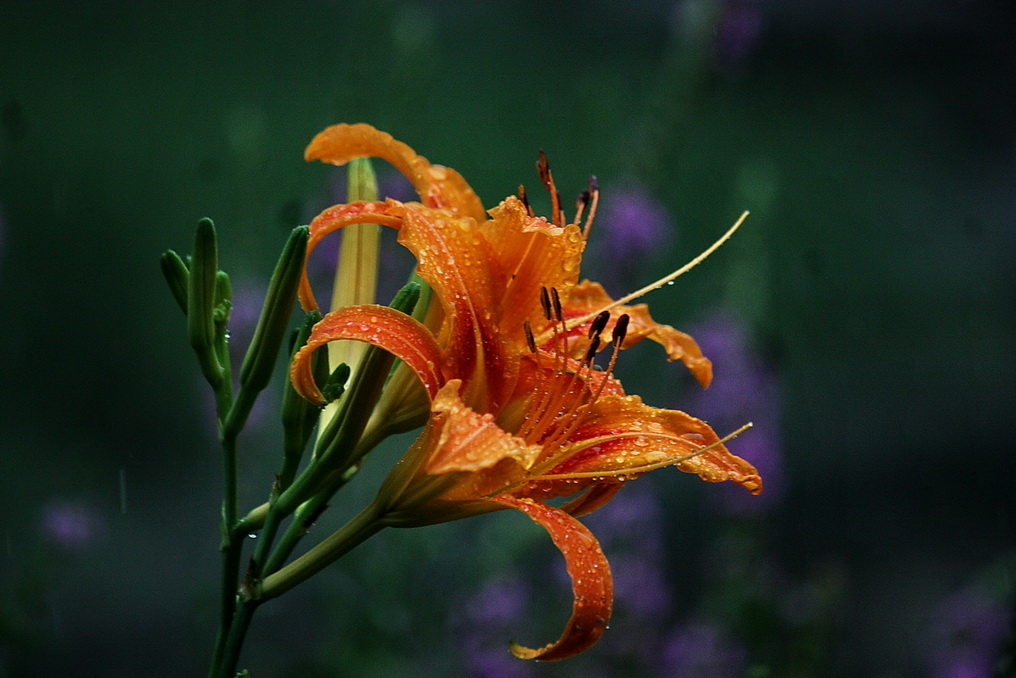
(387, 213)
(399, 334)
(470, 441)
(625, 437)
(438, 186)
(589, 297)
(592, 582)
(454, 258)
(594, 498)
(529, 253)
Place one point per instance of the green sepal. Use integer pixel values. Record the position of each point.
(297, 412)
(262, 355)
(201, 298)
(335, 384)
(299, 416)
(223, 303)
(177, 277)
(338, 448)
(220, 320)
(423, 305)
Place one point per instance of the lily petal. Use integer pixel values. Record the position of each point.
(387, 213)
(454, 258)
(529, 253)
(470, 441)
(592, 582)
(622, 438)
(589, 297)
(399, 334)
(437, 186)
(594, 498)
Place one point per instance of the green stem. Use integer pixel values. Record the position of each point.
(232, 415)
(230, 657)
(366, 524)
(298, 528)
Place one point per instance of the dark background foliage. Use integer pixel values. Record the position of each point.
(872, 292)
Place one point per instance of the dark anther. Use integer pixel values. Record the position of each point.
(594, 185)
(582, 200)
(545, 302)
(620, 330)
(598, 324)
(557, 304)
(530, 339)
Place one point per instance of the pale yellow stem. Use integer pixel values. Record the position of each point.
(355, 272)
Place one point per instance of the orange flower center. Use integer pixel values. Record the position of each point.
(565, 390)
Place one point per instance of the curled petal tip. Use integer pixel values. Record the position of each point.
(592, 582)
(751, 483)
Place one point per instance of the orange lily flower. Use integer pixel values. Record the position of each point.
(520, 413)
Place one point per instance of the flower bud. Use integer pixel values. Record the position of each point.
(201, 297)
(177, 277)
(261, 357)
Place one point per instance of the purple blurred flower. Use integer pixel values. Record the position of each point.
(629, 529)
(634, 221)
(486, 661)
(631, 227)
(72, 526)
(699, 649)
(248, 298)
(744, 389)
(738, 31)
(968, 637)
(488, 618)
(500, 603)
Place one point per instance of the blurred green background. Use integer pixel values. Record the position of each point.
(869, 298)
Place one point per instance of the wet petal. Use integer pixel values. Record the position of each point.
(592, 583)
(437, 186)
(623, 438)
(596, 497)
(529, 253)
(589, 297)
(397, 333)
(385, 213)
(455, 260)
(470, 441)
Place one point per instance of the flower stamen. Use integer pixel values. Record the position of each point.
(635, 470)
(540, 415)
(557, 216)
(575, 322)
(594, 195)
(579, 409)
(525, 200)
